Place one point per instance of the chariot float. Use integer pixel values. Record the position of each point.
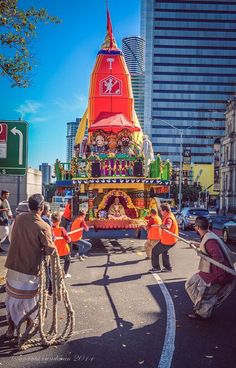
(114, 170)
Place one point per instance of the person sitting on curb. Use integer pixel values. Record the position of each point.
(153, 232)
(62, 245)
(209, 287)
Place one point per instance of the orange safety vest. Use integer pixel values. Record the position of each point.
(167, 239)
(67, 211)
(76, 225)
(62, 247)
(154, 232)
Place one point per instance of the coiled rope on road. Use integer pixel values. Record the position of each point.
(59, 293)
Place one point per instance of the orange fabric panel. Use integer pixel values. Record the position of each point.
(167, 239)
(67, 211)
(154, 233)
(110, 88)
(76, 225)
(62, 247)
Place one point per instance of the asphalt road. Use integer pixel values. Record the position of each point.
(128, 317)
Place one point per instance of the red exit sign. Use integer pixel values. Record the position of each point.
(3, 132)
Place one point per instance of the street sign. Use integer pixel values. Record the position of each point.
(187, 155)
(13, 147)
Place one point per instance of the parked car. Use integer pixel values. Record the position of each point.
(174, 210)
(229, 230)
(187, 217)
(22, 207)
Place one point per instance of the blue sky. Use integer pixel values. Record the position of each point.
(65, 55)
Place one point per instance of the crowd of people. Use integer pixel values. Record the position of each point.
(38, 233)
(35, 234)
(207, 288)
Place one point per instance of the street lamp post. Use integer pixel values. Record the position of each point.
(180, 168)
(180, 131)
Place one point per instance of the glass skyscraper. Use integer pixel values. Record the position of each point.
(70, 138)
(190, 73)
(133, 50)
(46, 170)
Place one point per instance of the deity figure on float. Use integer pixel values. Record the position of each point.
(125, 143)
(112, 143)
(99, 142)
(117, 211)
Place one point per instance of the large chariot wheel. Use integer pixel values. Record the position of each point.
(138, 233)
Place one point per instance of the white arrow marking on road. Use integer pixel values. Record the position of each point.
(17, 131)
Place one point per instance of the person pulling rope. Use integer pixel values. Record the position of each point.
(204, 255)
(59, 293)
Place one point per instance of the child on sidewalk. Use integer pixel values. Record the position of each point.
(62, 245)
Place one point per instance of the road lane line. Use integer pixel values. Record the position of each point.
(169, 343)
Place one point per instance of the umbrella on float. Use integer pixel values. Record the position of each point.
(113, 123)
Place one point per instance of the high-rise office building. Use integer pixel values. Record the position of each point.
(70, 138)
(190, 61)
(133, 50)
(46, 170)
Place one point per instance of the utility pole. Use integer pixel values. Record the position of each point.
(180, 169)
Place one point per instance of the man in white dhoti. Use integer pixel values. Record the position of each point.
(31, 238)
(211, 285)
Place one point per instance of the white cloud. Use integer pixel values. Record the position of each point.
(28, 107)
(77, 104)
(38, 120)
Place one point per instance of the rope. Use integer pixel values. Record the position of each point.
(59, 293)
(71, 232)
(200, 253)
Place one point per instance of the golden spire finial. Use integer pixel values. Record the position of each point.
(109, 42)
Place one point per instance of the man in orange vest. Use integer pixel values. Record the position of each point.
(61, 244)
(153, 232)
(167, 240)
(66, 217)
(83, 246)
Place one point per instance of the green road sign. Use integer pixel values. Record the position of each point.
(13, 147)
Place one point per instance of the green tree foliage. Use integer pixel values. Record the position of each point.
(17, 28)
(190, 193)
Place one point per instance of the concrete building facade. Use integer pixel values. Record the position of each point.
(228, 161)
(22, 187)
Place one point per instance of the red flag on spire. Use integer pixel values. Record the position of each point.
(109, 29)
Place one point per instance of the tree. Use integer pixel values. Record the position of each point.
(17, 28)
(190, 193)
